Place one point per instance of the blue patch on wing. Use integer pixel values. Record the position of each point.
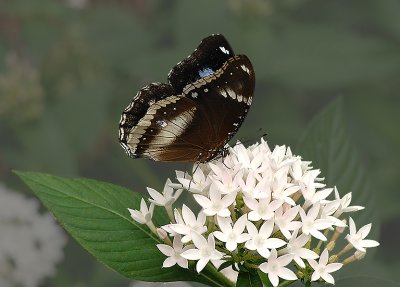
(205, 72)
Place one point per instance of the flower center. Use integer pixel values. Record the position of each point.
(205, 253)
(232, 236)
(216, 206)
(260, 241)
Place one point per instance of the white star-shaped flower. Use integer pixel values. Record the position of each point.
(275, 268)
(309, 184)
(311, 224)
(261, 209)
(357, 238)
(198, 183)
(216, 204)
(316, 196)
(187, 223)
(322, 268)
(174, 253)
(345, 204)
(253, 187)
(204, 251)
(281, 189)
(328, 210)
(246, 160)
(296, 249)
(168, 197)
(281, 157)
(260, 240)
(224, 178)
(232, 235)
(298, 168)
(144, 215)
(284, 221)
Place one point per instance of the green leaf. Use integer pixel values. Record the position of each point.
(248, 279)
(95, 214)
(328, 145)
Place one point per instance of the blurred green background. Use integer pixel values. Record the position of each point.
(69, 68)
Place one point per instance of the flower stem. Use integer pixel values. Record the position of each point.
(217, 277)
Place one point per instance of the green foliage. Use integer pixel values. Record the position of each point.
(327, 144)
(96, 215)
(248, 279)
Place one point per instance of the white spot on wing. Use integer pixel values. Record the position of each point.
(224, 50)
(162, 124)
(244, 68)
(123, 119)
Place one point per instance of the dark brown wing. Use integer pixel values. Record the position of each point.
(210, 55)
(172, 130)
(225, 97)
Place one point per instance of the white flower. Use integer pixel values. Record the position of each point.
(260, 240)
(322, 268)
(174, 253)
(252, 188)
(232, 236)
(281, 189)
(328, 210)
(298, 168)
(345, 204)
(31, 243)
(312, 225)
(167, 197)
(357, 238)
(246, 159)
(187, 223)
(295, 248)
(281, 157)
(317, 196)
(309, 184)
(216, 204)
(197, 184)
(275, 268)
(224, 179)
(204, 251)
(261, 209)
(144, 215)
(284, 221)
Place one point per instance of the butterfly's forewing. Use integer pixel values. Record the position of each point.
(225, 97)
(210, 55)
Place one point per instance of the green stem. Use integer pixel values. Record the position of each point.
(217, 277)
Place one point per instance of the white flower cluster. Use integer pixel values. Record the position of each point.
(31, 243)
(260, 208)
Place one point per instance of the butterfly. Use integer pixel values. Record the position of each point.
(193, 116)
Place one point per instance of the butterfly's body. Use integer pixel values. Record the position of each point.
(197, 113)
